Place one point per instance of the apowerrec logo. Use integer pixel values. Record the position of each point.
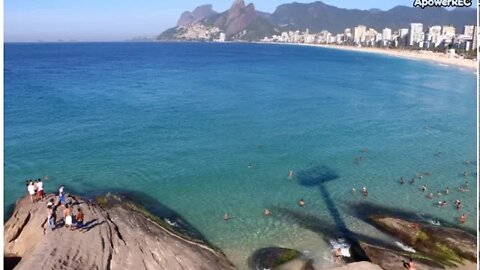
(442, 3)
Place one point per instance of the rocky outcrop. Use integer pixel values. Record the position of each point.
(392, 260)
(237, 18)
(119, 234)
(197, 15)
(447, 246)
(240, 22)
(359, 266)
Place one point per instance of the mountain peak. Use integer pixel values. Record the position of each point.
(198, 14)
(238, 4)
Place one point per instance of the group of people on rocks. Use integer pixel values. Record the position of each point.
(35, 189)
(72, 221)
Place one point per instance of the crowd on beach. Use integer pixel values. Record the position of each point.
(71, 220)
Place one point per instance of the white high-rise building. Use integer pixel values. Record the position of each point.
(222, 37)
(475, 37)
(448, 31)
(403, 32)
(416, 33)
(469, 30)
(370, 35)
(387, 34)
(359, 34)
(434, 34)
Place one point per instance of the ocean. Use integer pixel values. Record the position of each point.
(206, 129)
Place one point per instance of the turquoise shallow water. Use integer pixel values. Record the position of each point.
(181, 122)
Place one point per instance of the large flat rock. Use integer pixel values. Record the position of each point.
(117, 237)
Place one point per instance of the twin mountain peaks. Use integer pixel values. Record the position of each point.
(244, 22)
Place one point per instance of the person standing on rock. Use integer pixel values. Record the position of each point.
(51, 217)
(40, 189)
(67, 216)
(31, 191)
(61, 195)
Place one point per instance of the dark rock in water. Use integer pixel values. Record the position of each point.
(268, 258)
(447, 246)
(392, 260)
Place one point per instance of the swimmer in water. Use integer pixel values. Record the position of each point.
(402, 181)
(447, 191)
(353, 191)
(413, 180)
(365, 191)
(465, 185)
(226, 217)
(424, 188)
(430, 196)
(465, 174)
(290, 174)
(301, 203)
(250, 165)
(462, 218)
(266, 212)
(439, 193)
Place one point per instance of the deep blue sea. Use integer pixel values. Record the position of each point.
(179, 123)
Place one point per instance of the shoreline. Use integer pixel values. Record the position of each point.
(429, 56)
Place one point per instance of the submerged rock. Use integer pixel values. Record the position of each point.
(271, 257)
(118, 235)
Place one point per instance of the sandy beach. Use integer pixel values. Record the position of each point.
(439, 58)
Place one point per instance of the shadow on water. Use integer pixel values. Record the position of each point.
(329, 230)
(317, 177)
(365, 210)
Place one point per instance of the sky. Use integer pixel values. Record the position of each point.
(115, 20)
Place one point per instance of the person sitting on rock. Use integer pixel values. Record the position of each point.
(338, 255)
(415, 226)
(409, 265)
(79, 219)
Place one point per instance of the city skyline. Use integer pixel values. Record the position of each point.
(110, 20)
